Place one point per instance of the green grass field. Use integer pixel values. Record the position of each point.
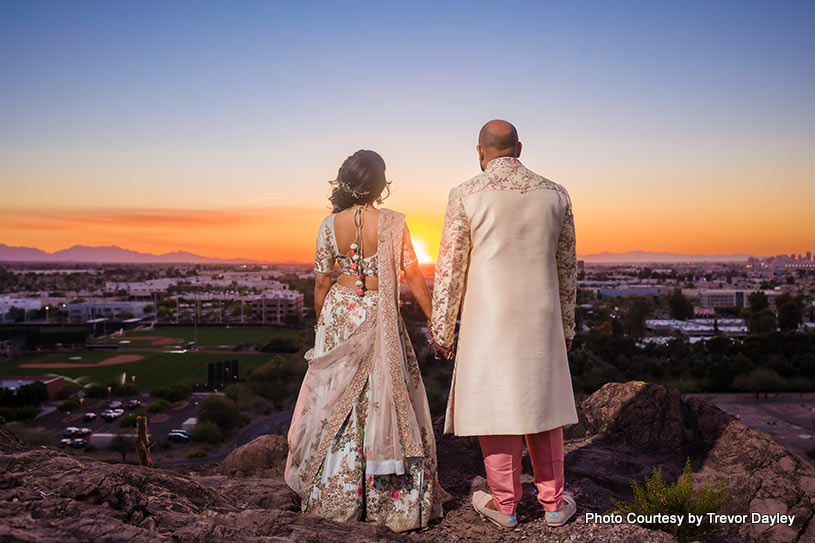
(158, 368)
(155, 370)
(209, 336)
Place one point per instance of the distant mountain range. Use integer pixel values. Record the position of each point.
(109, 254)
(112, 254)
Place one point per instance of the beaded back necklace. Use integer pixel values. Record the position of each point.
(356, 249)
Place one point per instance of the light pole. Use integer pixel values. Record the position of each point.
(47, 318)
(195, 321)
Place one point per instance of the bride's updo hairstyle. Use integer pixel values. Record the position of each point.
(360, 180)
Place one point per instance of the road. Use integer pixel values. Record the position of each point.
(269, 425)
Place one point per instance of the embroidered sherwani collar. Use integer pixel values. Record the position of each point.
(502, 161)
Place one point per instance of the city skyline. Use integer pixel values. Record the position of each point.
(203, 128)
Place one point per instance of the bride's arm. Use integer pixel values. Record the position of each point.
(322, 283)
(418, 286)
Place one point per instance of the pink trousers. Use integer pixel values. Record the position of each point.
(502, 461)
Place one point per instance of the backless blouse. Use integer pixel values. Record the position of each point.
(328, 253)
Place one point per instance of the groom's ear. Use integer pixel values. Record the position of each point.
(480, 153)
(518, 150)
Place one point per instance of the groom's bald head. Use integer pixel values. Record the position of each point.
(497, 139)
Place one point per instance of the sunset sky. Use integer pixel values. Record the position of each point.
(214, 127)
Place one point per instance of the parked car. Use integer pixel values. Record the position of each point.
(65, 442)
(115, 405)
(118, 412)
(108, 415)
(70, 431)
(178, 436)
(133, 404)
(78, 443)
(89, 417)
(84, 432)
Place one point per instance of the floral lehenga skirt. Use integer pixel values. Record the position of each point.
(342, 490)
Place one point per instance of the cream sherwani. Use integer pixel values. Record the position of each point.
(507, 258)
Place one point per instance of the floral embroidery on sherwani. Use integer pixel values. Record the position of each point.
(504, 173)
(451, 267)
(566, 258)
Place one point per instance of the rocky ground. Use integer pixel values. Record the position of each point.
(624, 431)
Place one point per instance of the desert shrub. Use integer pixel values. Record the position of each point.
(222, 411)
(760, 380)
(678, 498)
(196, 453)
(165, 445)
(129, 420)
(206, 432)
(19, 413)
(173, 393)
(278, 379)
(30, 435)
(126, 389)
(90, 447)
(96, 391)
(283, 344)
(71, 404)
(156, 406)
(811, 453)
(245, 398)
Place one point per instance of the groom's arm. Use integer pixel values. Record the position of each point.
(566, 257)
(451, 267)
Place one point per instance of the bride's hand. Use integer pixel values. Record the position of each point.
(446, 353)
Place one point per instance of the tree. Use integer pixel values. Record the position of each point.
(762, 322)
(679, 306)
(221, 411)
(790, 315)
(148, 309)
(121, 443)
(758, 301)
(633, 320)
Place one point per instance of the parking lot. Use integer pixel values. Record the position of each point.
(54, 422)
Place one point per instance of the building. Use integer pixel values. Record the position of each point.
(53, 384)
(84, 311)
(281, 306)
(7, 302)
(626, 292)
(715, 298)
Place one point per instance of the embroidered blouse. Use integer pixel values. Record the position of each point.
(328, 253)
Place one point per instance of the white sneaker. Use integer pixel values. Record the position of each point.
(561, 517)
(480, 501)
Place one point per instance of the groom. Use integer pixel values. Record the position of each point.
(508, 241)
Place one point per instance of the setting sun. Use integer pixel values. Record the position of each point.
(420, 247)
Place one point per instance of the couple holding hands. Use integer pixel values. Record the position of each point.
(361, 443)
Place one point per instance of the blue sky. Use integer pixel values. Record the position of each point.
(203, 104)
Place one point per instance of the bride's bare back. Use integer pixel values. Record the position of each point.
(346, 233)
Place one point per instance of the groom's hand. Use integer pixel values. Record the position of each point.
(439, 352)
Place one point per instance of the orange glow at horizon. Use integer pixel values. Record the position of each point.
(288, 233)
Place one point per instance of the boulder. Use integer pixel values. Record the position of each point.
(264, 456)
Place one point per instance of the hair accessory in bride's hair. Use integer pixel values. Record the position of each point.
(349, 189)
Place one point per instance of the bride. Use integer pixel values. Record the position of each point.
(361, 444)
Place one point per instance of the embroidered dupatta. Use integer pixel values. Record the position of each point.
(398, 416)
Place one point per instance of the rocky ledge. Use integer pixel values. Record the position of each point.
(624, 431)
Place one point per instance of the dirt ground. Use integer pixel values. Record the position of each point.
(113, 360)
(789, 418)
